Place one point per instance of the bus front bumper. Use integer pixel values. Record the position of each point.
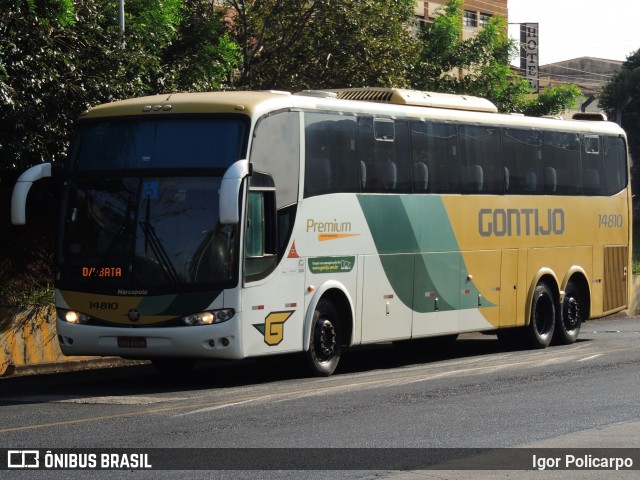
(206, 341)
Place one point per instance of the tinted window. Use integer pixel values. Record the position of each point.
(615, 164)
(330, 154)
(434, 156)
(276, 152)
(521, 150)
(383, 153)
(592, 165)
(402, 156)
(480, 164)
(159, 231)
(158, 143)
(561, 157)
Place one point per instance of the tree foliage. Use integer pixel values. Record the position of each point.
(57, 61)
(621, 99)
(202, 55)
(480, 66)
(296, 44)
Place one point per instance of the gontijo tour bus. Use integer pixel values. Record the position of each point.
(241, 224)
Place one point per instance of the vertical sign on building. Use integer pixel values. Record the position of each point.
(529, 41)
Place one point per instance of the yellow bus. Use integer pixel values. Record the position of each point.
(242, 224)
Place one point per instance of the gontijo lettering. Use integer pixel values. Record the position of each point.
(508, 222)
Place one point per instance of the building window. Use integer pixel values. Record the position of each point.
(484, 19)
(470, 19)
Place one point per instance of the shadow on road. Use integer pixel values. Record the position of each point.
(213, 374)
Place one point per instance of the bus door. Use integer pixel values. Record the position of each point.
(386, 298)
(273, 297)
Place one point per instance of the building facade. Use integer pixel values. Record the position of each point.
(476, 13)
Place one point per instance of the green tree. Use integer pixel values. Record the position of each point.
(296, 44)
(620, 99)
(57, 57)
(202, 55)
(480, 66)
(153, 22)
(54, 68)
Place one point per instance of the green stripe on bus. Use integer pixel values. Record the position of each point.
(403, 228)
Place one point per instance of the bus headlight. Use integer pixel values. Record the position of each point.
(209, 318)
(71, 316)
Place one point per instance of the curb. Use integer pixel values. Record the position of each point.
(69, 366)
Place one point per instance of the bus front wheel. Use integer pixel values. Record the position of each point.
(325, 346)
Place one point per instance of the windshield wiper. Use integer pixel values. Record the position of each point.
(152, 240)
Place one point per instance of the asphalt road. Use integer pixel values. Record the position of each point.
(475, 394)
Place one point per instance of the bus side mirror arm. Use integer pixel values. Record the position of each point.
(230, 191)
(21, 190)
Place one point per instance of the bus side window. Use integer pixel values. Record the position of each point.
(331, 165)
(366, 151)
(561, 159)
(403, 157)
(260, 241)
(521, 154)
(434, 157)
(615, 164)
(480, 170)
(384, 156)
(592, 166)
(347, 167)
(383, 169)
(276, 151)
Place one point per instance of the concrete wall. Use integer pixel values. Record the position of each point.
(28, 338)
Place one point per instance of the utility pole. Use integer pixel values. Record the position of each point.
(121, 20)
(121, 15)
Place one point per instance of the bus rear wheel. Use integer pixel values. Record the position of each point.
(539, 332)
(325, 346)
(572, 315)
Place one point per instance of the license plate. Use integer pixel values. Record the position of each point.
(132, 342)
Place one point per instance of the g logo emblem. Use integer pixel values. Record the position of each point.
(273, 327)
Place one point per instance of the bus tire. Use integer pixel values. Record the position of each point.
(539, 332)
(325, 346)
(571, 316)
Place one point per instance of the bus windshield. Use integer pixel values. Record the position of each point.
(145, 232)
(136, 214)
